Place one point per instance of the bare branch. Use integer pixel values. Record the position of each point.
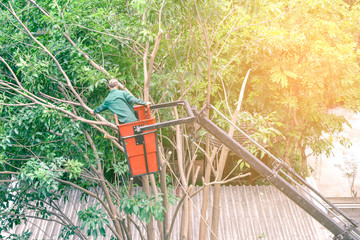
(229, 180)
(116, 37)
(3, 181)
(35, 217)
(160, 14)
(207, 157)
(151, 66)
(31, 97)
(168, 234)
(59, 100)
(18, 104)
(137, 227)
(85, 191)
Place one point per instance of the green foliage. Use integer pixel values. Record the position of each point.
(243, 164)
(262, 129)
(67, 231)
(121, 168)
(140, 205)
(94, 220)
(41, 175)
(23, 236)
(303, 68)
(43, 144)
(24, 196)
(262, 235)
(304, 57)
(74, 168)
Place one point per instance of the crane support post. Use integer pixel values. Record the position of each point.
(339, 231)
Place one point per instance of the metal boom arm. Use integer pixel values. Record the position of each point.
(345, 231)
(275, 179)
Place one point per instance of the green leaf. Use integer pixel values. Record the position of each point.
(102, 231)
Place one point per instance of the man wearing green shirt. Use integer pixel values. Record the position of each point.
(120, 103)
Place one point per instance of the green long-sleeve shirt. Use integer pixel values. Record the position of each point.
(121, 103)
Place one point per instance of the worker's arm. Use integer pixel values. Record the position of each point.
(133, 100)
(100, 108)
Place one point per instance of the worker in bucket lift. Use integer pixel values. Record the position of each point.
(120, 103)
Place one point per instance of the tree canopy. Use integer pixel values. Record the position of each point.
(58, 55)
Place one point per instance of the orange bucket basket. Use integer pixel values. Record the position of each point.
(140, 147)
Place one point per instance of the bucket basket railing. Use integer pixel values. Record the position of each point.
(139, 138)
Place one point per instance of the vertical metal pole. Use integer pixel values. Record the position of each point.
(145, 155)
(157, 153)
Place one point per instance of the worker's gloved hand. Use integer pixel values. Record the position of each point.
(92, 112)
(148, 103)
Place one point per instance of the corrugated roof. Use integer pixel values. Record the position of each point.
(246, 213)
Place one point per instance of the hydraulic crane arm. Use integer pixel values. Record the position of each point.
(276, 179)
(346, 231)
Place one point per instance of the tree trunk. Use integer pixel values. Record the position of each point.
(183, 181)
(216, 196)
(222, 161)
(165, 196)
(287, 151)
(204, 220)
(149, 227)
(148, 69)
(303, 160)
